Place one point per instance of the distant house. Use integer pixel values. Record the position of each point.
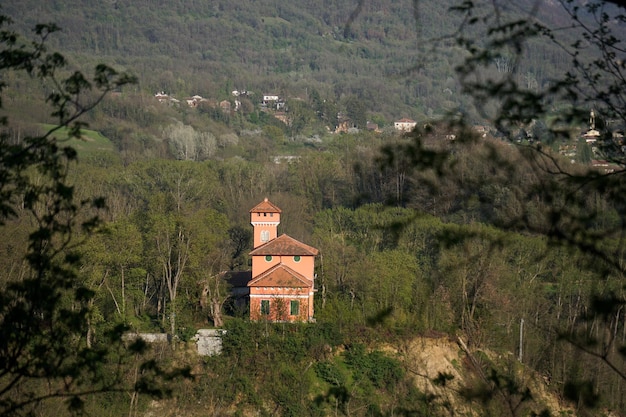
(225, 106)
(280, 286)
(372, 127)
(242, 93)
(404, 125)
(268, 98)
(344, 124)
(162, 97)
(194, 101)
(273, 102)
(482, 130)
(605, 167)
(591, 136)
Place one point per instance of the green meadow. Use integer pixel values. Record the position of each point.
(90, 141)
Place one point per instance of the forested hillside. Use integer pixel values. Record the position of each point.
(378, 53)
(495, 242)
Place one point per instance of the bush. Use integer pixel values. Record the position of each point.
(384, 371)
(381, 370)
(329, 372)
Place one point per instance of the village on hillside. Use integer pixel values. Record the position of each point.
(278, 108)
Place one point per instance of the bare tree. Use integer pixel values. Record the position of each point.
(188, 144)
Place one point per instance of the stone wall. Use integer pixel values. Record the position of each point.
(147, 337)
(209, 341)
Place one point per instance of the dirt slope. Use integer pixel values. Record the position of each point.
(429, 359)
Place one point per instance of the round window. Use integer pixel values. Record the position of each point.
(268, 258)
(296, 258)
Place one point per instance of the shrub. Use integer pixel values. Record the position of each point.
(329, 372)
(380, 369)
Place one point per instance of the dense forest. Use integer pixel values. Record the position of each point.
(394, 64)
(499, 241)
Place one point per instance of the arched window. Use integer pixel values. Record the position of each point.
(265, 235)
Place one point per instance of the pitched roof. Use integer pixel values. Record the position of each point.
(265, 207)
(285, 245)
(280, 276)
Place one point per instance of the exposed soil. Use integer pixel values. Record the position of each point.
(449, 363)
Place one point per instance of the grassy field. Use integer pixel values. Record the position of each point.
(90, 141)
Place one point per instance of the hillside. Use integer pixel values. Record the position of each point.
(438, 376)
(385, 54)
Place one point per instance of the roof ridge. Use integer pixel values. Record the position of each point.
(266, 206)
(273, 247)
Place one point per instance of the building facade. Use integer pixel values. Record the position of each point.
(282, 281)
(405, 125)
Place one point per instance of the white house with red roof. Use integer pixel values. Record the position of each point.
(404, 125)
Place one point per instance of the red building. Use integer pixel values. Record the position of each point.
(281, 285)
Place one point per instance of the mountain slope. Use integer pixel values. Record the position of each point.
(381, 53)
